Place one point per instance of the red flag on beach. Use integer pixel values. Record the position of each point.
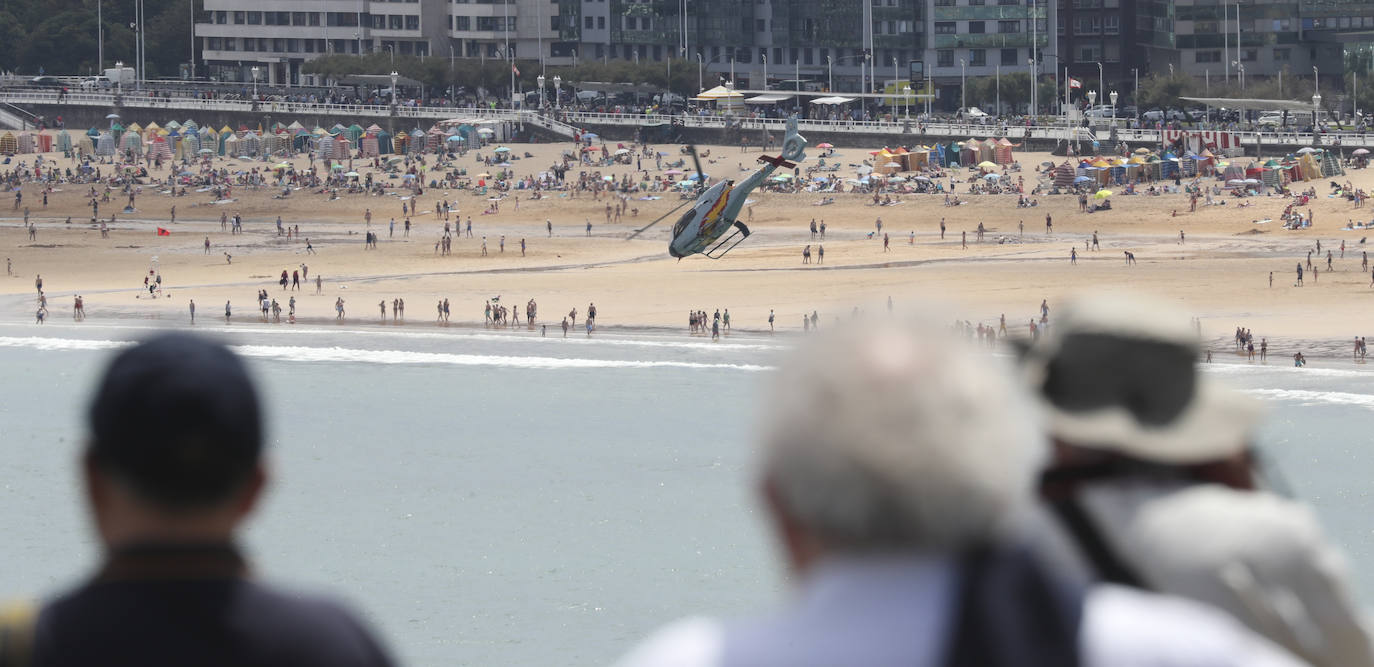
(163, 232)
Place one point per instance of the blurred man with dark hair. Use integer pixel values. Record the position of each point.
(173, 468)
(1154, 484)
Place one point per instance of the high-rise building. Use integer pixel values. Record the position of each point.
(1097, 39)
(1200, 37)
(279, 36)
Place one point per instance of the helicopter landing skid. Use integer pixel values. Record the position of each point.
(736, 236)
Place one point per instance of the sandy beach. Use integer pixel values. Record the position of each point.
(1220, 273)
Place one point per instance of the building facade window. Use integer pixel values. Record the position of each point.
(1006, 27)
(944, 58)
(946, 27)
(1009, 57)
(977, 57)
(412, 23)
(975, 27)
(1111, 25)
(1207, 57)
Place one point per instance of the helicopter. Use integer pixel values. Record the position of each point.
(716, 209)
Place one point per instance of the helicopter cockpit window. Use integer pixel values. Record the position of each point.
(683, 221)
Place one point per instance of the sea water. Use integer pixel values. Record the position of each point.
(500, 498)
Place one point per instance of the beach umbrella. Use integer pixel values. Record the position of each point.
(923, 178)
(1307, 149)
(987, 165)
(502, 149)
(111, 116)
(484, 175)
(622, 151)
(352, 174)
(673, 172)
(992, 177)
(894, 179)
(1103, 194)
(892, 165)
(824, 145)
(1236, 181)
(1142, 151)
(1360, 151)
(486, 131)
(853, 181)
(455, 138)
(1082, 179)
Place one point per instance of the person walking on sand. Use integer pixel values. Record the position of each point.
(820, 254)
(207, 245)
(193, 311)
(1299, 283)
(887, 242)
(228, 312)
(1049, 224)
(565, 327)
(382, 305)
(770, 320)
(339, 308)
(1328, 260)
(942, 229)
(589, 227)
(38, 283)
(1073, 255)
(319, 284)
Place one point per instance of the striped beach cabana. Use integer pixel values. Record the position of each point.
(159, 148)
(105, 144)
(131, 142)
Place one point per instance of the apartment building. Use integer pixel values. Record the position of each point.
(279, 36)
(1199, 37)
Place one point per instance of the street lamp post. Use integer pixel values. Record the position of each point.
(540, 80)
(1316, 111)
(1034, 81)
(119, 84)
(765, 71)
(1102, 85)
(700, 66)
(557, 92)
(829, 76)
(1113, 96)
(998, 79)
(254, 70)
(963, 108)
(393, 90)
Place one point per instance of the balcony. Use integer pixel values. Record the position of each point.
(642, 37)
(985, 13)
(988, 41)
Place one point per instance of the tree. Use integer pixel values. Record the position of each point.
(1162, 91)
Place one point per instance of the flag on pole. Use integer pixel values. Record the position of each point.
(163, 232)
(1075, 83)
(515, 69)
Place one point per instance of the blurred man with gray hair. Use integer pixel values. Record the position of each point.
(895, 470)
(1154, 483)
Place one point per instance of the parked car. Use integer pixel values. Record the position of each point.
(95, 82)
(46, 82)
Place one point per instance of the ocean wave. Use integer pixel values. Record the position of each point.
(458, 334)
(1240, 368)
(1306, 396)
(340, 354)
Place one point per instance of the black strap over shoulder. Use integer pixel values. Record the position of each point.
(1110, 568)
(16, 634)
(1015, 611)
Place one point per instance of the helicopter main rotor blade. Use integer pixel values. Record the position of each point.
(696, 160)
(657, 220)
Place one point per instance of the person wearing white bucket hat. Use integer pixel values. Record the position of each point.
(1154, 482)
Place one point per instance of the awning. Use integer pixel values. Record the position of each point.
(717, 93)
(832, 100)
(768, 99)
